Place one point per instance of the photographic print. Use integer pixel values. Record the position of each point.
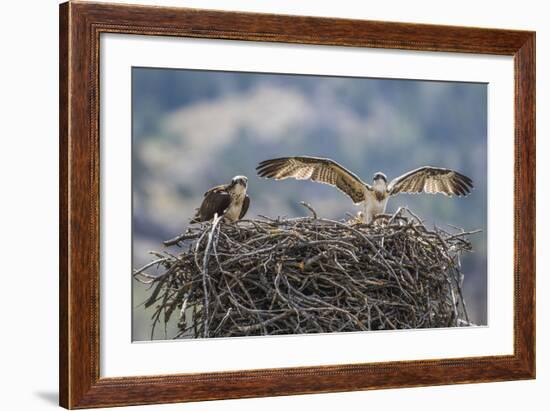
(275, 204)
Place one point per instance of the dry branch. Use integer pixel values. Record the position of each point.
(309, 275)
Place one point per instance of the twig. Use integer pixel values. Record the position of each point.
(215, 222)
(310, 208)
(180, 238)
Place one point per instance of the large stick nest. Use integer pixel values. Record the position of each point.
(308, 275)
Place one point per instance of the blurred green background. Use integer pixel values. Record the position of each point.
(195, 129)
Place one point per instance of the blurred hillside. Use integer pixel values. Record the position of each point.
(196, 129)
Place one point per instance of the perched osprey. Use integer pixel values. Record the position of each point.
(374, 197)
(229, 200)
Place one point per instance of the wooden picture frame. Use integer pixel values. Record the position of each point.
(80, 27)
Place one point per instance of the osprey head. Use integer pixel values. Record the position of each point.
(239, 181)
(379, 177)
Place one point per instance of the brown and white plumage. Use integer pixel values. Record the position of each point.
(229, 200)
(431, 180)
(322, 170)
(374, 197)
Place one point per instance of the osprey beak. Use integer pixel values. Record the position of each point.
(239, 180)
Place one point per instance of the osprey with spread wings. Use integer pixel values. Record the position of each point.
(374, 197)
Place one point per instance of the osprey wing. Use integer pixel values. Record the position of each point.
(244, 209)
(431, 180)
(321, 170)
(216, 201)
